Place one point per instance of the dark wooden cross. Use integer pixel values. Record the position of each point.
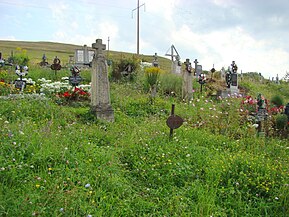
(98, 46)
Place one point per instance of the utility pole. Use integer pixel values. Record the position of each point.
(138, 6)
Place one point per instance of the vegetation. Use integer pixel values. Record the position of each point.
(56, 159)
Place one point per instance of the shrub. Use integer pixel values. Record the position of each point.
(171, 84)
(281, 121)
(119, 67)
(277, 100)
(20, 57)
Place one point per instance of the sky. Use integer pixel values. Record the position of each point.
(253, 33)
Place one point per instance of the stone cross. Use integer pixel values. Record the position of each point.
(187, 92)
(100, 95)
(98, 46)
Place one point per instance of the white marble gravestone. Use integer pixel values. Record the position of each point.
(100, 93)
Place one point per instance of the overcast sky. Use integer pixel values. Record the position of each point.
(254, 33)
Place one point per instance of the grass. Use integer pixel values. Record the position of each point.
(59, 160)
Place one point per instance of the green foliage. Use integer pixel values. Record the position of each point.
(20, 57)
(277, 100)
(170, 84)
(127, 66)
(281, 121)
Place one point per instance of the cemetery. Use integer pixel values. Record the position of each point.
(87, 135)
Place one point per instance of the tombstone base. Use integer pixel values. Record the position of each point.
(106, 114)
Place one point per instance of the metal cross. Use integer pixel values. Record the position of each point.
(99, 46)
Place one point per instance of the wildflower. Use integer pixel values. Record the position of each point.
(37, 185)
(61, 209)
(276, 198)
(87, 185)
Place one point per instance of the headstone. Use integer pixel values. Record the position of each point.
(44, 61)
(177, 65)
(187, 81)
(223, 74)
(202, 81)
(232, 78)
(56, 66)
(75, 79)
(71, 59)
(21, 71)
(277, 79)
(199, 71)
(2, 62)
(83, 57)
(261, 114)
(196, 65)
(100, 95)
(155, 61)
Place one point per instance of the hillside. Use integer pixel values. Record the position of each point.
(57, 159)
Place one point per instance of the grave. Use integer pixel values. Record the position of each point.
(223, 74)
(44, 62)
(83, 57)
(175, 58)
(232, 79)
(155, 62)
(56, 66)
(187, 90)
(21, 71)
(75, 79)
(177, 66)
(277, 79)
(261, 115)
(2, 62)
(199, 71)
(100, 95)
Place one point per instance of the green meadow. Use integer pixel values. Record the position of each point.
(57, 159)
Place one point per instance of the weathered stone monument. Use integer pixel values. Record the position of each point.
(187, 92)
(84, 56)
(234, 79)
(100, 95)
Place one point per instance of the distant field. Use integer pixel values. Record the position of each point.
(35, 51)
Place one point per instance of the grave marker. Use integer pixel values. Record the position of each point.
(21, 71)
(187, 81)
(75, 79)
(100, 95)
(84, 56)
(174, 121)
(155, 61)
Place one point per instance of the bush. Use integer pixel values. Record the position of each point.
(20, 57)
(119, 67)
(281, 121)
(171, 84)
(277, 100)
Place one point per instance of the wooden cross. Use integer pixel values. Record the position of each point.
(99, 46)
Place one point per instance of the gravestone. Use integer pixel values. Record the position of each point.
(2, 62)
(21, 71)
(223, 74)
(232, 79)
(277, 79)
(100, 95)
(155, 61)
(44, 61)
(56, 66)
(75, 79)
(83, 57)
(196, 66)
(187, 91)
(177, 65)
(261, 115)
(199, 71)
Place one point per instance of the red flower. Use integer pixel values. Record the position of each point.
(66, 94)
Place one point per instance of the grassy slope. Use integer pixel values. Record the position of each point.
(49, 153)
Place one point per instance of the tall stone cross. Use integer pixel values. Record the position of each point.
(187, 81)
(100, 95)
